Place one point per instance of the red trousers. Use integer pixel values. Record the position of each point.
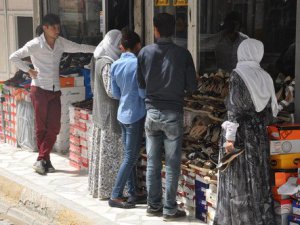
(47, 110)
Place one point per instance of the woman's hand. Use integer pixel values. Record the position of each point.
(229, 146)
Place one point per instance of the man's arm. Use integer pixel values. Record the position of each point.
(17, 57)
(21, 53)
(190, 76)
(72, 47)
(140, 79)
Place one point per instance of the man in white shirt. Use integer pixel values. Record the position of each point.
(45, 52)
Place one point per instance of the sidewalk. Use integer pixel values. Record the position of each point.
(64, 195)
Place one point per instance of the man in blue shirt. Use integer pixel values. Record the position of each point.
(166, 72)
(131, 113)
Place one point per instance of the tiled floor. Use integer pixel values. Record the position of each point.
(71, 185)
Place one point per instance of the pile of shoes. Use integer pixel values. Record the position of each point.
(284, 87)
(86, 104)
(77, 60)
(201, 138)
(20, 79)
(214, 85)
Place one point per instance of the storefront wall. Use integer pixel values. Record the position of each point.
(204, 16)
(11, 11)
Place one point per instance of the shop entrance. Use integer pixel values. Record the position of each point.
(119, 14)
(179, 10)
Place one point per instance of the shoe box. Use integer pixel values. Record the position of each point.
(201, 204)
(296, 208)
(284, 132)
(282, 177)
(293, 220)
(211, 212)
(285, 161)
(284, 147)
(283, 207)
(284, 139)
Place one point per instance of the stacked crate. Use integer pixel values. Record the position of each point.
(201, 187)
(9, 115)
(2, 138)
(285, 153)
(186, 190)
(69, 95)
(80, 137)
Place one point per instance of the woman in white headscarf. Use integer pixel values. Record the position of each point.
(106, 154)
(244, 192)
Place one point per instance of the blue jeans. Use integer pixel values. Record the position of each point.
(163, 128)
(132, 137)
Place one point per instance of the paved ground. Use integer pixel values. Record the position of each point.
(70, 187)
(4, 220)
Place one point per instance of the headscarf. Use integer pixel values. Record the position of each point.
(257, 80)
(109, 46)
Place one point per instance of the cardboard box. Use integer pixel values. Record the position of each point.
(73, 91)
(285, 161)
(74, 157)
(79, 81)
(284, 147)
(282, 177)
(66, 81)
(293, 220)
(283, 207)
(75, 149)
(296, 208)
(75, 140)
(284, 132)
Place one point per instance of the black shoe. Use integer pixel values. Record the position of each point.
(39, 167)
(138, 200)
(120, 204)
(177, 215)
(154, 212)
(49, 168)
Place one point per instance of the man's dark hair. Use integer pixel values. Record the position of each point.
(165, 24)
(129, 38)
(50, 19)
(232, 21)
(39, 30)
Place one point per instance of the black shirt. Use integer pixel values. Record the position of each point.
(166, 71)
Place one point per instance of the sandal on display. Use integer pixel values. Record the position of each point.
(209, 165)
(228, 157)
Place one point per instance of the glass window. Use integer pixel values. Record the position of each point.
(224, 24)
(24, 35)
(179, 10)
(80, 19)
(119, 14)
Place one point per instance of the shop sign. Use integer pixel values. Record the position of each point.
(180, 2)
(162, 2)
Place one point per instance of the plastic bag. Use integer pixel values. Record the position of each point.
(26, 126)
